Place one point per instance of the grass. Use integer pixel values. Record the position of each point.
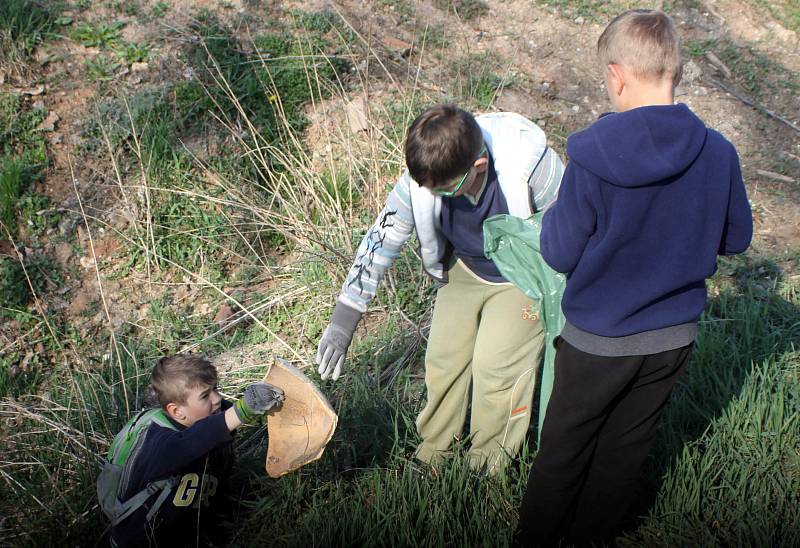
(100, 68)
(727, 448)
(159, 9)
(19, 137)
(22, 154)
(24, 24)
(98, 34)
(11, 186)
(133, 52)
(70, 444)
(477, 81)
(256, 219)
(593, 10)
(785, 11)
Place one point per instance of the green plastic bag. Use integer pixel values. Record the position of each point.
(513, 244)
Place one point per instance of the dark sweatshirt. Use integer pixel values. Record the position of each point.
(201, 457)
(649, 199)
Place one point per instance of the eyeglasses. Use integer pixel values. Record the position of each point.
(448, 193)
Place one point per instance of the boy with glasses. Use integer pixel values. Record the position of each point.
(485, 337)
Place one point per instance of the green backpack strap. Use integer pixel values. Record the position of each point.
(125, 441)
(115, 473)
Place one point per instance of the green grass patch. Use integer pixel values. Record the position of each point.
(286, 70)
(264, 88)
(11, 185)
(404, 9)
(128, 7)
(81, 413)
(785, 11)
(725, 470)
(37, 216)
(97, 34)
(15, 289)
(22, 154)
(101, 68)
(133, 52)
(27, 362)
(18, 134)
(25, 23)
(159, 9)
(483, 89)
(477, 81)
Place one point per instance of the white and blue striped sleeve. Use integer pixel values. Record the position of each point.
(381, 244)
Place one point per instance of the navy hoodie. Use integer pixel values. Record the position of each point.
(201, 457)
(649, 199)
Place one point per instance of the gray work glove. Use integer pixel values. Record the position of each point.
(258, 398)
(336, 340)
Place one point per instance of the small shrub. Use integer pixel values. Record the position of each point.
(99, 34)
(101, 68)
(132, 52)
(159, 9)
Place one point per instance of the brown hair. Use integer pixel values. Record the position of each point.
(173, 376)
(442, 143)
(646, 41)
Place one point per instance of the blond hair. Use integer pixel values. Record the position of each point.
(644, 40)
(173, 376)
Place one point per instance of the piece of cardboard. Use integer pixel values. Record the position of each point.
(299, 429)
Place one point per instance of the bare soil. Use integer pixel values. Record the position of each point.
(547, 57)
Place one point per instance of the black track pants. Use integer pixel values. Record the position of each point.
(599, 428)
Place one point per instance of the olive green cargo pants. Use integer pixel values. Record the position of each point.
(484, 348)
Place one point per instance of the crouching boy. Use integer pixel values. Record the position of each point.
(167, 470)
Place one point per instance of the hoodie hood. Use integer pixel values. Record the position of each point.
(639, 146)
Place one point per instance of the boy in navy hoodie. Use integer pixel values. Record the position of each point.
(649, 199)
(194, 447)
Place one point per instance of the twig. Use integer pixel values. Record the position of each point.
(774, 176)
(751, 102)
(717, 62)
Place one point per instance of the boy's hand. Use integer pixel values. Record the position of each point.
(258, 398)
(336, 340)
